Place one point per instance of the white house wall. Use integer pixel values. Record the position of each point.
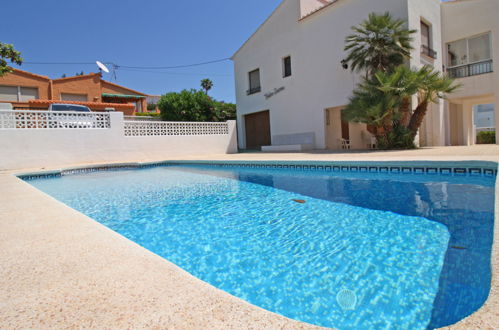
(316, 45)
(429, 11)
(468, 18)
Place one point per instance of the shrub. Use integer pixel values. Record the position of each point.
(151, 106)
(486, 138)
(147, 114)
(194, 105)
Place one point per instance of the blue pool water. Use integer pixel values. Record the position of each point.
(364, 251)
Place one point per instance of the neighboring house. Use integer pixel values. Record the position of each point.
(27, 90)
(291, 85)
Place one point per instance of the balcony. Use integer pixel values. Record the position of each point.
(425, 50)
(469, 70)
(254, 90)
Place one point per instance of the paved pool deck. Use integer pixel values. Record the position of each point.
(61, 269)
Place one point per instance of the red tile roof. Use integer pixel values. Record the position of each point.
(88, 75)
(30, 74)
(91, 105)
(122, 87)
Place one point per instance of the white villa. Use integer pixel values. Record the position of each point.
(291, 84)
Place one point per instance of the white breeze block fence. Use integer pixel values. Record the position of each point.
(34, 139)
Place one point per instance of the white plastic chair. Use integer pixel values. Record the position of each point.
(369, 140)
(345, 144)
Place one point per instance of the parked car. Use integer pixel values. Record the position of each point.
(69, 121)
(69, 107)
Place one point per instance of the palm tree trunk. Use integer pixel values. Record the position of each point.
(417, 117)
(405, 110)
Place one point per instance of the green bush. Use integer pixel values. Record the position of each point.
(194, 105)
(147, 114)
(486, 138)
(151, 106)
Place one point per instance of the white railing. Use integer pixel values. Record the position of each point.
(163, 128)
(29, 119)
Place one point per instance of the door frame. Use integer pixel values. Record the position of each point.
(267, 136)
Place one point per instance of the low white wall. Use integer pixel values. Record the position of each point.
(30, 148)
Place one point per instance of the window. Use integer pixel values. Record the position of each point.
(8, 93)
(470, 50)
(470, 56)
(286, 66)
(479, 48)
(69, 107)
(74, 97)
(425, 34)
(28, 93)
(254, 82)
(426, 41)
(18, 93)
(458, 53)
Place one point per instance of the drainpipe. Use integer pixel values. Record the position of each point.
(51, 90)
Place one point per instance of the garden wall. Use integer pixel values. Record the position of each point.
(30, 139)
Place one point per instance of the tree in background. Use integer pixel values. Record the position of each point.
(194, 105)
(206, 84)
(8, 53)
(383, 100)
(151, 106)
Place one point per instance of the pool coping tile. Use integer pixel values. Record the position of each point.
(83, 274)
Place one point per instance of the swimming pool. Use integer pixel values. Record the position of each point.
(339, 249)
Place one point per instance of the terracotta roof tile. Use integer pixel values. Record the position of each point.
(30, 74)
(88, 75)
(91, 105)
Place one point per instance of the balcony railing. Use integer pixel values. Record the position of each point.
(469, 70)
(254, 90)
(428, 51)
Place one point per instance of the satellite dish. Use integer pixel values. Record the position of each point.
(102, 67)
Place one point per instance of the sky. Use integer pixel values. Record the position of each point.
(135, 33)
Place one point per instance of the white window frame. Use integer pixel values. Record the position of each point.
(468, 50)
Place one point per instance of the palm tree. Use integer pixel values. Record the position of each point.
(206, 84)
(380, 43)
(380, 46)
(375, 108)
(400, 84)
(384, 103)
(433, 86)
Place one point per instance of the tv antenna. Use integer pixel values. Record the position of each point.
(104, 68)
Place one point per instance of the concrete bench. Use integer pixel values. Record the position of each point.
(291, 142)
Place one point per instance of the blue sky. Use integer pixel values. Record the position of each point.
(135, 33)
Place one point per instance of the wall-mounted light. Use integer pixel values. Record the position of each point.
(344, 64)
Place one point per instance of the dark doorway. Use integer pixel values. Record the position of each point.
(257, 130)
(345, 128)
